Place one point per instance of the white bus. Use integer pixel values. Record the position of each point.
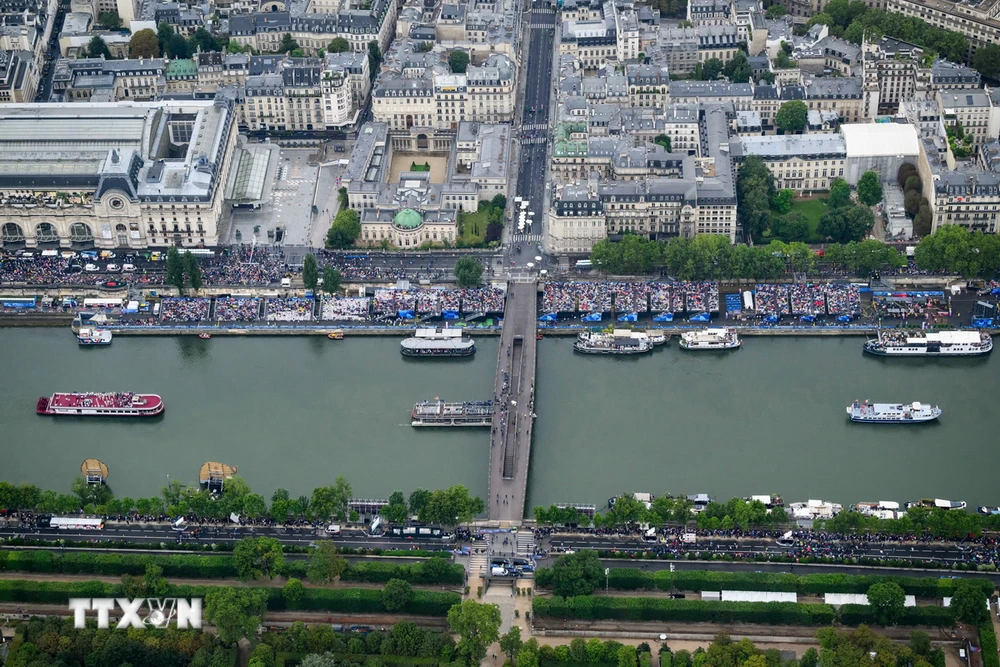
(102, 303)
(584, 264)
(201, 252)
(76, 523)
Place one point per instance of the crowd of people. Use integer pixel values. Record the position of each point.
(772, 300)
(481, 299)
(382, 267)
(807, 299)
(289, 309)
(245, 265)
(185, 309)
(907, 305)
(630, 297)
(237, 309)
(393, 300)
(345, 309)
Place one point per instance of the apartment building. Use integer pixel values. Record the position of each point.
(100, 80)
(681, 49)
(973, 109)
(18, 77)
(441, 101)
(965, 193)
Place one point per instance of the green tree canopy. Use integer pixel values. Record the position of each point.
(236, 612)
(345, 230)
(887, 602)
(331, 280)
(144, 44)
(793, 116)
(256, 557)
(577, 574)
(511, 642)
(338, 45)
(468, 271)
(325, 563)
(846, 223)
(870, 188)
(782, 200)
(970, 604)
(776, 11)
(288, 43)
(396, 594)
(458, 61)
(97, 48)
(310, 272)
(109, 20)
(987, 61)
(450, 506)
(754, 191)
(477, 625)
(840, 193)
(192, 272)
(663, 140)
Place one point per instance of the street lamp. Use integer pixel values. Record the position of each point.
(607, 573)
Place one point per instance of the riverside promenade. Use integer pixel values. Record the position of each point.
(510, 436)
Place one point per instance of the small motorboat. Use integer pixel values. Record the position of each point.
(538, 336)
(336, 335)
(204, 335)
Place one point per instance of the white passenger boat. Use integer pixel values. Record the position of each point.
(712, 338)
(892, 413)
(930, 344)
(619, 341)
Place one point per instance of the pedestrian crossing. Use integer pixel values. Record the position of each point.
(525, 543)
(534, 141)
(478, 562)
(526, 238)
(536, 126)
(542, 26)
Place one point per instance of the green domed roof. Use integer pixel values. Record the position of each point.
(408, 219)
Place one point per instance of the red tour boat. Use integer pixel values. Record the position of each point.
(94, 404)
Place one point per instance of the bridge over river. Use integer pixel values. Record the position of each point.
(510, 434)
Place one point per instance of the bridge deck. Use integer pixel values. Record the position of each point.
(510, 438)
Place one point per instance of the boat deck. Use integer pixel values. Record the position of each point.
(110, 401)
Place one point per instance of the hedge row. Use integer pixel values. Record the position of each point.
(856, 614)
(773, 613)
(216, 567)
(353, 600)
(628, 578)
(988, 644)
(660, 609)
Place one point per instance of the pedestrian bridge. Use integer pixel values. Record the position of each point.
(514, 405)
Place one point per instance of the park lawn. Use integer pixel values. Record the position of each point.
(812, 209)
(473, 227)
(420, 167)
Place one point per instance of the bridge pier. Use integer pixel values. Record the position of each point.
(514, 405)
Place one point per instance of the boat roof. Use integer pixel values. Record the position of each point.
(430, 344)
(950, 337)
(434, 332)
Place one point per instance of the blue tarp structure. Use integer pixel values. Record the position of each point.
(19, 304)
(734, 303)
(406, 315)
(551, 317)
(629, 317)
(449, 314)
(982, 322)
(592, 317)
(771, 319)
(844, 318)
(664, 317)
(700, 317)
(808, 318)
(995, 291)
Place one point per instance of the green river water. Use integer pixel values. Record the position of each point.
(295, 412)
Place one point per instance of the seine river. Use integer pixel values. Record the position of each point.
(296, 412)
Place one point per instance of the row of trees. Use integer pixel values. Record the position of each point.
(742, 514)
(712, 257)
(957, 251)
(345, 230)
(444, 506)
(310, 275)
(183, 270)
(915, 204)
(853, 19)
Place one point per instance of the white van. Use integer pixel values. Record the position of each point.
(91, 267)
(180, 525)
(128, 267)
(286, 282)
(50, 253)
(333, 529)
